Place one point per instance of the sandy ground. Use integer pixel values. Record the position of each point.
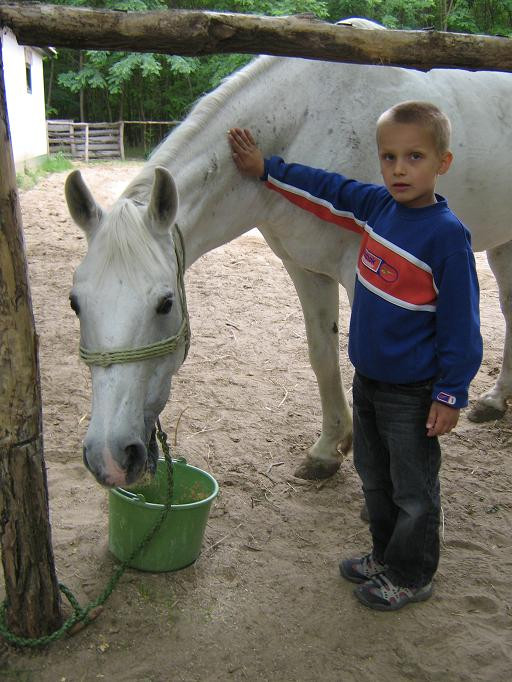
(264, 601)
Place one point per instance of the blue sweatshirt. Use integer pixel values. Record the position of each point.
(415, 313)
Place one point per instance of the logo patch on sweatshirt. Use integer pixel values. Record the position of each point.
(387, 272)
(446, 398)
(371, 261)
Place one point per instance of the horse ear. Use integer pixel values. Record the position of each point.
(163, 204)
(86, 213)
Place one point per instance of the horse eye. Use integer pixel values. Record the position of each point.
(165, 305)
(73, 302)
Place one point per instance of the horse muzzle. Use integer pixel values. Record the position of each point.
(116, 466)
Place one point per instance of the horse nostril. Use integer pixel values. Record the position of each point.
(135, 461)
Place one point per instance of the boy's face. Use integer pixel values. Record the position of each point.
(410, 162)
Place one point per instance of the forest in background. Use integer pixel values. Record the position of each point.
(87, 85)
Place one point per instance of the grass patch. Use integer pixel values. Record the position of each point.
(51, 164)
(56, 164)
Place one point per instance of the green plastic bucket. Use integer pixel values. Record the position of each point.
(133, 513)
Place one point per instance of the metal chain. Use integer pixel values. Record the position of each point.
(81, 614)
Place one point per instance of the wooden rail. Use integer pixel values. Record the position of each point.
(92, 141)
(86, 141)
(189, 32)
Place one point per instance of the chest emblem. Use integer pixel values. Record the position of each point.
(377, 265)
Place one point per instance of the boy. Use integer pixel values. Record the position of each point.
(414, 336)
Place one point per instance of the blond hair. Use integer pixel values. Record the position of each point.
(423, 114)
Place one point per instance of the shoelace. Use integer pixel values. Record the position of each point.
(370, 566)
(388, 590)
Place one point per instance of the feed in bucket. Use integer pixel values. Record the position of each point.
(177, 543)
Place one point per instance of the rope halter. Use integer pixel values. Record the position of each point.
(159, 348)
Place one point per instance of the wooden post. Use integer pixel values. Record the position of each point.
(121, 139)
(190, 32)
(86, 138)
(33, 599)
(72, 138)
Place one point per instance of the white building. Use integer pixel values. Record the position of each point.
(24, 86)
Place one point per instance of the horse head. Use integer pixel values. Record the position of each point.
(129, 297)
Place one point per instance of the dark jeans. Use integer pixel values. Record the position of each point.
(399, 467)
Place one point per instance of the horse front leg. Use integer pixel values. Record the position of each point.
(319, 298)
(493, 403)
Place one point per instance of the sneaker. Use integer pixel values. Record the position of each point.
(360, 569)
(381, 594)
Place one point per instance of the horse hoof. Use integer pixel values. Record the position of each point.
(484, 413)
(311, 469)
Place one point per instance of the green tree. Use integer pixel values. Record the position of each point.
(466, 16)
(134, 86)
(104, 85)
(492, 17)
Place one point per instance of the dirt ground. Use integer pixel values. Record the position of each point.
(264, 601)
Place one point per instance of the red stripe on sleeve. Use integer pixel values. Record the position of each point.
(318, 210)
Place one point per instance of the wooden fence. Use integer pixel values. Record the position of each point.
(86, 141)
(93, 141)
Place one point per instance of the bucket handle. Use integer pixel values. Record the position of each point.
(140, 496)
(132, 496)
(179, 460)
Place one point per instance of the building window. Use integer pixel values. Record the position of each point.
(28, 69)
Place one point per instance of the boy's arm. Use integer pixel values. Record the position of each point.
(329, 196)
(458, 338)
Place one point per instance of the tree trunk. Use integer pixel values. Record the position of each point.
(190, 32)
(445, 8)
(33, 600)
(121, 105)
(82, 99)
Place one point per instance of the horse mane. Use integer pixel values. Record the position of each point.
(124, 239)
(201, 113)
(196, 121)
(359, 22)
(125, 245)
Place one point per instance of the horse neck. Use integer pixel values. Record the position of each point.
(216, 203)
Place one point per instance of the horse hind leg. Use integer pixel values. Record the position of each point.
(493, 403)
(319, 297)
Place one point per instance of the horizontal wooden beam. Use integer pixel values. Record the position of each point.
(194, 33)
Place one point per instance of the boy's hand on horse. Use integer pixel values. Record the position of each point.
(245, 153)
(441, 419)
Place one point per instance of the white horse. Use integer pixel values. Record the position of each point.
(126, 290)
